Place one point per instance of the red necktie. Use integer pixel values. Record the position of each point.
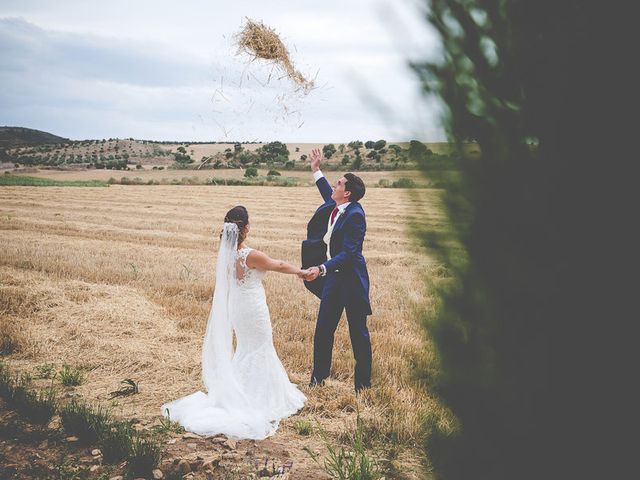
(333, 214)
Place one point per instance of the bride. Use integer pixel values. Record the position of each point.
(249, 391)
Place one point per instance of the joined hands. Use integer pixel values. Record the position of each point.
(309, 274)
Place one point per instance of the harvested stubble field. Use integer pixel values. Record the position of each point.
(118, 281)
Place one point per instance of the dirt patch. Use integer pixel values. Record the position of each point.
(30, 453)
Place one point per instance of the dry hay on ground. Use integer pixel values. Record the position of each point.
(118, 281)
(262, 42)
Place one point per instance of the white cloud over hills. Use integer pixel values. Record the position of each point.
(162, 70)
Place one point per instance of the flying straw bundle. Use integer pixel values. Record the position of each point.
(260, 41)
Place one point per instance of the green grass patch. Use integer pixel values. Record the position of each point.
(167, 426)
(8, 344)
(144, 456)
(85, 421)
(352, 462)
(39, 406)
(26, 181)
(17, 388)
(302, 427)
(267, 181)
(116, 441)
(45, 371)
(92, 424)
(6, 380)
(70, 376)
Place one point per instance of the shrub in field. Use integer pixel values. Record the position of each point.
(84, 420)
(70, 376)
(287, 182)
(379, 145)
(251, 172)
(116, 441)
(74, 416)
(8, 344)
(6, 381)
(270, 151)
(144, 456)
(36, 406)
(190, 181)
(19, 385)
(226, 181)
(329, 150)
(39, 406)
(403, 182)
(273, 173)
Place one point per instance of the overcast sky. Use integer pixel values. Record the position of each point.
(169, 70)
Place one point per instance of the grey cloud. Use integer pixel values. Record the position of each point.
(27, 48)
(83, 85)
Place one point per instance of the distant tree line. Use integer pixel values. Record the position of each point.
(110, 154)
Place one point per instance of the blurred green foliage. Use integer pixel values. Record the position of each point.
(535, 249)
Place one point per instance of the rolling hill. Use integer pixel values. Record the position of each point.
(14, 136)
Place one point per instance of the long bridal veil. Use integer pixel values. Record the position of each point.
(225, 408)
(217, 351)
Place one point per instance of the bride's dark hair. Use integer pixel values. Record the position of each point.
(240, 217)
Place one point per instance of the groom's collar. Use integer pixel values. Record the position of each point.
(343, 206)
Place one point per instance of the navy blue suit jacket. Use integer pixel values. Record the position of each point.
(347, 238)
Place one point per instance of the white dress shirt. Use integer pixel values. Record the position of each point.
(327, 237)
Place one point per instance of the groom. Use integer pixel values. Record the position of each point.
(338, 272)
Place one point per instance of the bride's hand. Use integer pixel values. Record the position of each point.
(303, 273)
(311, 274)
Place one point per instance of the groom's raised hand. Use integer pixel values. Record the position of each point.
(316, 157)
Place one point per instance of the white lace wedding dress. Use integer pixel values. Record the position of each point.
(249, 391)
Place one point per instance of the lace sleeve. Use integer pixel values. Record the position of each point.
(242, 257)
(241, 264)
